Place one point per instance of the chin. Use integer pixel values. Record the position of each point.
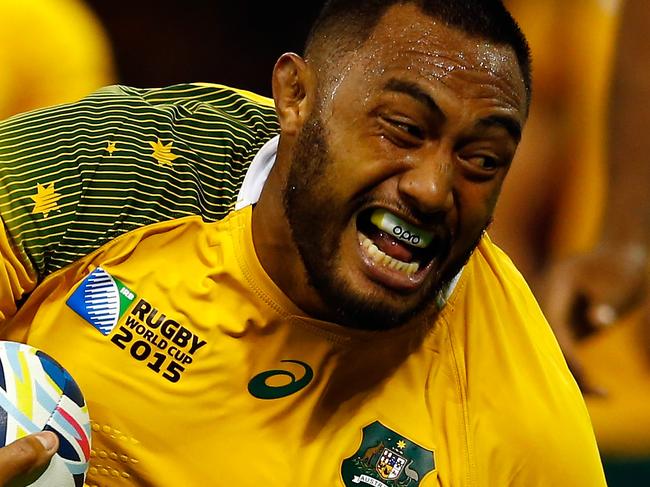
(361, 303)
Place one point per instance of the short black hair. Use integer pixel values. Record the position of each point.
(355, 20)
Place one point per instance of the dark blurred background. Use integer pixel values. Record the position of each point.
(156, 43)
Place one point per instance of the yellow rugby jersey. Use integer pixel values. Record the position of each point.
(75, 176)
(198, 370)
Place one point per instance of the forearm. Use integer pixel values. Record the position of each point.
(628, 209)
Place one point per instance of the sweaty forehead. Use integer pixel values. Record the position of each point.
(410, 42)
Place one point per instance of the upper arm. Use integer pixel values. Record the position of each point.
(16, 276)
(75, 176)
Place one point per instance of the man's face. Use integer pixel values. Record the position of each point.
(396, 173)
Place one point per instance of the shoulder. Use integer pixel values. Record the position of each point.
(526, 410)
(495, 285)
(205, 98)
(194, 100)
(212, 121)
(503, 320)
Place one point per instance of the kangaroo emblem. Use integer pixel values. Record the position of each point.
(371, 452)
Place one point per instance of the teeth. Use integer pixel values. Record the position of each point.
(375, 254)
(379, 257)
(401, 230)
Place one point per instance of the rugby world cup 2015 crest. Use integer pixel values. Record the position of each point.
(101, 300)
(387, 459)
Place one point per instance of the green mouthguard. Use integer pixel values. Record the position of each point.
(401, 230)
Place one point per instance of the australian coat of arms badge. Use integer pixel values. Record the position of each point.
(386, 459)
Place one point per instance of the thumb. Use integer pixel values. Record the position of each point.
(26, 456)
(603, 315)
(605, 304)
(609, 299)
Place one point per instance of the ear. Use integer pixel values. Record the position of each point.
(293, 91)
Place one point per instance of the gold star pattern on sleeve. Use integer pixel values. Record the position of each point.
(46, 199)
(111, 147)
(162, 153)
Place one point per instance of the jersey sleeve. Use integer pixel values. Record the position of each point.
(75, 176)
(15, 278)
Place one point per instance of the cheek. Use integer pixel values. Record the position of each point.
(495, 191)
(357, 166)
(477, 203)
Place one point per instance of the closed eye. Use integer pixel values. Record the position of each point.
(406, 132)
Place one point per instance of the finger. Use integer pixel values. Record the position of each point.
(607, 303)
(27, 455)
(602, 315)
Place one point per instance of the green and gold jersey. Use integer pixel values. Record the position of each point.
(200, 371)
(75, 176)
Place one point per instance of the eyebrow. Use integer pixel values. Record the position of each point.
(512, 126)
(413, 90)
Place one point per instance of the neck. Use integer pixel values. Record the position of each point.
(273, 243)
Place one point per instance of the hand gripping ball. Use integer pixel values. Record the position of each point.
(37, 394)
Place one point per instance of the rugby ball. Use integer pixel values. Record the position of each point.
(37, 394)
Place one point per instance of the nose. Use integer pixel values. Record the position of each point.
(428, 185)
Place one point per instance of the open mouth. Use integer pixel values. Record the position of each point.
(397, 245)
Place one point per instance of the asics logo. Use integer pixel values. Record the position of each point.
(260, 388)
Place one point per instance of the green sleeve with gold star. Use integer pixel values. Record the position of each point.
(75, 176)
